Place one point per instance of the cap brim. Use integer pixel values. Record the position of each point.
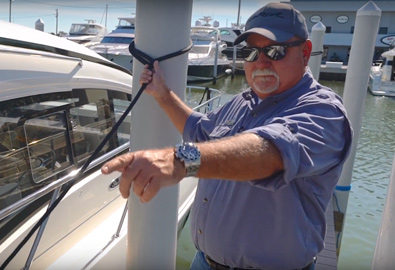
(279, 36)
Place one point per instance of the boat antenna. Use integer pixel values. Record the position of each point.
(238, 14)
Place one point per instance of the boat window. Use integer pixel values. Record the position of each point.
(383, 30)
(94, 116)
(225, 33)
(237, 31)
(83, 29)
(43, 137)
(48, 145)
(120, 40)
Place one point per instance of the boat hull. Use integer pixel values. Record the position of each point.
(379, 87)
(206, 73)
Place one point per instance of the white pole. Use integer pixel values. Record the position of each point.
(234, 61)
(317, 38)
(355, 88)
(215, 62)
(152, 227)
(384, 254)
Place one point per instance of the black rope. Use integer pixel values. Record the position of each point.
(144, 59)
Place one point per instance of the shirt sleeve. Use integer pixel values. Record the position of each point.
(203, 127)
(313, 138)
(197, 128)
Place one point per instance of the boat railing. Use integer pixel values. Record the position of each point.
(210, 98)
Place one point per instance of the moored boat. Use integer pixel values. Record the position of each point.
(87, 34)
(382, 75)
(206, 60)
(58, 101)
(115, 45)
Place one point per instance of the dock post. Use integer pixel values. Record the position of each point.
(215, 68)
(355, 88)
(384, 253)
(152, 226)
(317, 38)
(234, 62)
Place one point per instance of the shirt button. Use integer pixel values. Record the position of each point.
(200, 231)
(205, 200)
(254, 115)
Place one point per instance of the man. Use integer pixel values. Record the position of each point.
(268, 161)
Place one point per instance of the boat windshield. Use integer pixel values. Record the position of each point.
(84, 29)
(118, 40)
(125, 25)
(203, 35)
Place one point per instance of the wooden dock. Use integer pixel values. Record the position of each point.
(327, 259)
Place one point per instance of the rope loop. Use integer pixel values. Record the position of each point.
(145, 59)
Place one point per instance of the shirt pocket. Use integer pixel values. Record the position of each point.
(220, 132)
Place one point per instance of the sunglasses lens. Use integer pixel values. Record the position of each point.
(274, 52)
(250, 54)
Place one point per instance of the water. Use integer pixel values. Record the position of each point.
(371, 173)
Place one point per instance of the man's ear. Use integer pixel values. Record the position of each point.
(307, 47)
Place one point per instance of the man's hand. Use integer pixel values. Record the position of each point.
(148, 171)
(156, 81)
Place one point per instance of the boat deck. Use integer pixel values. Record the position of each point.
(327, 259)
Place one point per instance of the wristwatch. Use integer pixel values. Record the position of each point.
(189, 155)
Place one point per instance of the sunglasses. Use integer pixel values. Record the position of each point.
(273, 52)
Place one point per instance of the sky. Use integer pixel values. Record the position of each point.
(28, 12)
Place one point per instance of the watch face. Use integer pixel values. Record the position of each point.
(190, 153)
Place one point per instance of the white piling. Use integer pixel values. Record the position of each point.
(234, 61)
(384, 253)
(317, 38)
(215, 67)
(39, 25)
(152, 227)
(355, 88)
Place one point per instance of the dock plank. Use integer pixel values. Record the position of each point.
(327, 259)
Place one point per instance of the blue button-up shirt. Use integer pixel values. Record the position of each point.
(276, 222)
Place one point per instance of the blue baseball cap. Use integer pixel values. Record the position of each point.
(276, 21)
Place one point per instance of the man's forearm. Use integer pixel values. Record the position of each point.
(241, 157)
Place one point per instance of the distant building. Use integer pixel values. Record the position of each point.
(339, 16)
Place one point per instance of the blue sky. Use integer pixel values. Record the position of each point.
(27, 12)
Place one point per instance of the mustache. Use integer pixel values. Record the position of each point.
(264, 72)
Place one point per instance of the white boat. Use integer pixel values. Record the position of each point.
(115, 45)
(58, 100)
(206, 60)
(228, 35)
(382, 76)
(88, 33)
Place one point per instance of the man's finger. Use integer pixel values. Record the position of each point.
(150, 191)
(127, 178)
(117, 164)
